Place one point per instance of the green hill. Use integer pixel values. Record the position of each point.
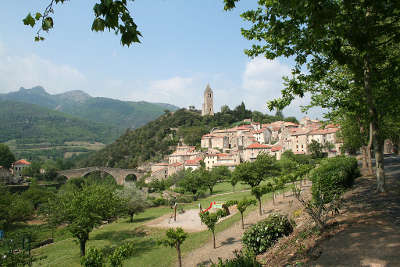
(112, 112)
(31, 124)
(157, 138)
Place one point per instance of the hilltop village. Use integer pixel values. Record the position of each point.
(229, 147)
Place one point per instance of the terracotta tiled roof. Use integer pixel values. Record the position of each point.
(22, 162)
(161, 164)
(195, 161)
(258, 146)
(176, 164)
(276, 148)
(324, 131)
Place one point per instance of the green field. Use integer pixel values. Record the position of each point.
(148, 252)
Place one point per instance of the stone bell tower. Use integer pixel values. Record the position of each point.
(208, 105)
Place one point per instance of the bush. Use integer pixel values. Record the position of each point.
(159, 202)
(264, 234)
(332, 177)
(184, 199)
(93, 258)
(240, 260)
(120, 254)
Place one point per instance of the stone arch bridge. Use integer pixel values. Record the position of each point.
(118, 174)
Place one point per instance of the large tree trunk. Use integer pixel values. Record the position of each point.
(132, 214)
(82, 244)
(374, 128)
(241, 214)
(259, 207)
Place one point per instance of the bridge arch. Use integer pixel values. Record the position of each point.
(118, 174)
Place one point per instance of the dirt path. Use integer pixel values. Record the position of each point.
(229, 240)
(370, 225)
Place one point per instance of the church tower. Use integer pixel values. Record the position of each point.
(208, 105)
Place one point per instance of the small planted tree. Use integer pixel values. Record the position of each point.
(259, 191)
(210, 220)
(174, 239)
(242, 206)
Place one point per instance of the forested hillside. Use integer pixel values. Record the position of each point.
(112, 112)
(30, 124)
(154, 140)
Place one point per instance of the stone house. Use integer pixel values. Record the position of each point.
(277, 151)
(299, 141)
(263, 135)
(19, 166)
(252, 151)
(193, 163)
(175, 167)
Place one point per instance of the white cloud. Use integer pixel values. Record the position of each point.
(32, 70)
(262, 81)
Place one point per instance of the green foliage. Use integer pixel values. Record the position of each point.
(315, 149)
(93, 258)
(27, 123)
(332, 177)
(242, 205)
(174, 237)
(37, 194)
(192, 182)
(264, 234)
(121, 253)
(240, 260)
(86, 207)
(134, 200)
(210, 220)
(13, 208)
(7, 158)
(109, 15)
(15, 259)
(155, 140)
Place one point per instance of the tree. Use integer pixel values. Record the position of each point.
(13, 208)
(210, 220)
(175, 238)
(209, 178)
(259, 191)
(7, 158)
(134, 200)
(87, 207)
(37, 194)
(316, 149)
(242, 206)
(192, 182)
(110, 15)
(362, 36)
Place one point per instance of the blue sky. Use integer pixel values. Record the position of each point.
(186, 44)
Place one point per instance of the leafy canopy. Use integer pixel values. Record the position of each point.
(109, 15)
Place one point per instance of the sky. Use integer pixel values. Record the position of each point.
(186, 44)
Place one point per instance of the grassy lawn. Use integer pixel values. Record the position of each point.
(148, 252)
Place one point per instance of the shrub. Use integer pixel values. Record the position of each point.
(184, 199)
(264, 234)
(240, 260)
(159, 202)
(332, 177)
(94, 258)
(120, 254)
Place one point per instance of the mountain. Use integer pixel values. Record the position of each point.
(32, 124)
(116, 113)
